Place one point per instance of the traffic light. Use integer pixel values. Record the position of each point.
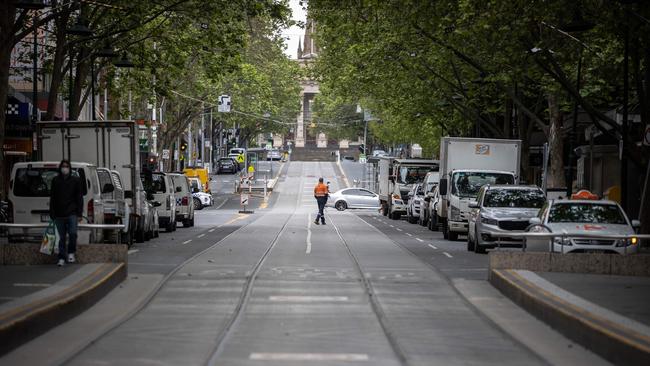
(183, 146)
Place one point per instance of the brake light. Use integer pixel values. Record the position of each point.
(185, 201)
(91, 211)
(10, 211)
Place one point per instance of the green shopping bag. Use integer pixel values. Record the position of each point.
(50, 240)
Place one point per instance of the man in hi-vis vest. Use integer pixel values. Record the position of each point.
(321, 192)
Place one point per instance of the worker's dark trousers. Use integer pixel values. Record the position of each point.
(321, 208)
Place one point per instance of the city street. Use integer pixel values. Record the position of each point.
(274, 288)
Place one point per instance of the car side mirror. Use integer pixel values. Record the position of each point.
(535, 221)
(178, 189)
(128, 194)
(636, 224)
(108, 188)
(443, 186)
(195, 190)
(473, 204)
(156, 204)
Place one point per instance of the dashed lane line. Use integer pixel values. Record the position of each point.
(398, 229)
(308, 250)
(409, 234)
(200, 236)
(420, 240)
(133, 251)
(433, 246)
(448, 255)
(187, 241)
(211, 230)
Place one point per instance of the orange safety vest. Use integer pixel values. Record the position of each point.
(321, 190)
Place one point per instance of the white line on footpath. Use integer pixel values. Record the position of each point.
(187, 241)
(447, 254)
(200, 236)
(308, 298)
(409, 234)
(133, 251)
(308, 250)
(420, 240)
(269, 356)
(433, 246)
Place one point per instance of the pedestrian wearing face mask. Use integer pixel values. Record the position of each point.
(66, 209)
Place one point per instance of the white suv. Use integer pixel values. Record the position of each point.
(184, 202)
(29, 198)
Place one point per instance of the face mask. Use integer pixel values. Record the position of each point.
(65, 170)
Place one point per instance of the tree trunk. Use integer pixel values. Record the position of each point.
(556, 178)
(57, 67)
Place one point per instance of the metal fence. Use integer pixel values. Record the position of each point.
(4, 229)
(547, 239)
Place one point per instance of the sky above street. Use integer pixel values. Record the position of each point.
(294, 34)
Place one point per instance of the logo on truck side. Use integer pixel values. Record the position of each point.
(482, 149)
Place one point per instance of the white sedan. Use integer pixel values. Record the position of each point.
(353, 198)
(585, 217)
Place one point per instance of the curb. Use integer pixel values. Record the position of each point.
(620, 342)
(27, 321)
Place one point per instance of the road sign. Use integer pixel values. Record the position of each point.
(646, 136)
(165, 154)
(207, 143)
(244, 199)
(224, 104)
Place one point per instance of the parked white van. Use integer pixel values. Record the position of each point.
(116, 210)
(184, 202)
(29, 198)
(161, 186)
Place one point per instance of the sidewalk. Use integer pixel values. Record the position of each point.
(36, 298)
(608, 314)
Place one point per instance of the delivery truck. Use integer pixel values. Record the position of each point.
(395, 179)
(109, 144)
(467, 164)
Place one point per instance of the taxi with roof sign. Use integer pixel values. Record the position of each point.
(584, 214)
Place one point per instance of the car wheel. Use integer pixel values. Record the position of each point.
(411, 219)
(341, 205)
(186, 223)
(192, 222)
(197, 204)
(396, 216)
(170, 226)
(433, 222)
(452, 236)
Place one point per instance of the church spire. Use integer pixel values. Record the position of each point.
(299, 47)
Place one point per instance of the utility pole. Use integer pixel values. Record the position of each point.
(190, 150)
(203, 133)
(624, 127)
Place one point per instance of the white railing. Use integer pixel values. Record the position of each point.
(42, 225)
(566, 236)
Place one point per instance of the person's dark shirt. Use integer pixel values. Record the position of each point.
(66, 196)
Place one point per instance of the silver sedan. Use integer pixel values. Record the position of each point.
(353, 198)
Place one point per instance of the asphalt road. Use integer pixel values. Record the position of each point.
(273, 288)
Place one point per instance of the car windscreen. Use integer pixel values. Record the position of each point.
(592, 213)
(195, 184)
(522, 198)
(36, 182)
(412, 174)
(158, 183)
(467, 184)
(225, 160)
(180, 181)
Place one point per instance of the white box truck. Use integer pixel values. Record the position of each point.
(467, 164)
(109, 144)
(396, 178)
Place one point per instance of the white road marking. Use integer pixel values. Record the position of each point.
(211, 230)
(433, 246)
(268, 356)
(133, 251)
(391, 225)
(187, 241)
(308, 298)
(420, 240)
(200, 236)
(447, 254)
(398, 229)
(19, 284)
(409, 234)
(308, 250)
